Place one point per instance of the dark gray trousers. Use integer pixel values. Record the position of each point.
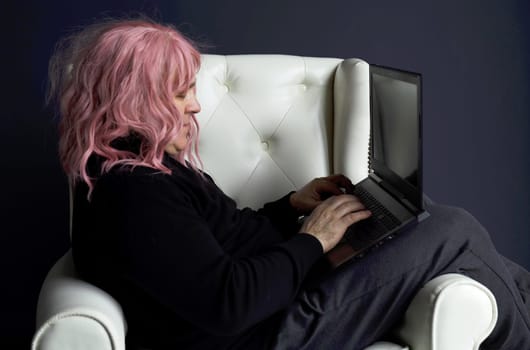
(363, 300)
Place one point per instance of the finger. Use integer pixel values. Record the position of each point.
(325, 186)
(342, 181)
(349, 207)
(357, 216)
(334, 202)
(339, 179)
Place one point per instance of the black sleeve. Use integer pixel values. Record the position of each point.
(282, 215)
(171, 254)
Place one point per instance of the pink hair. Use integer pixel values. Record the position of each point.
(119, 78)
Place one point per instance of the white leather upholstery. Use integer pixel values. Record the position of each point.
(274, 122)
(386, 346)
(72, 314)
(266, 125)
(269, 124)
(451, 312)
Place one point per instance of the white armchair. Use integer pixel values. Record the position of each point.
(269, 124)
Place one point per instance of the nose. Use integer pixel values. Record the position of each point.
(194, 106)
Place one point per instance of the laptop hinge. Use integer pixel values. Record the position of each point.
(394, 192)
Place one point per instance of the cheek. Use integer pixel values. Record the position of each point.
(182, 140)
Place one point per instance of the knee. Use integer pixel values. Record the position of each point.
(461, 222)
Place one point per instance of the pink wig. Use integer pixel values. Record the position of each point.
(119, 78)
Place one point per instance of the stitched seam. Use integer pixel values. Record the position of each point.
(291, 106)
(250, 176)
(283, 172)
(237, 104)
(281, 121)
(212, 115)
(246, 116)
(218, 104)
(49, 323)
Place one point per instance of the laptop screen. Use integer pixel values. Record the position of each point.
(396, 130)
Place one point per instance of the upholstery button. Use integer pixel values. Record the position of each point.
(226, 88)
(303, 87)
(265, 146)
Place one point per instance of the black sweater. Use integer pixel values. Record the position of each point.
(190, 270)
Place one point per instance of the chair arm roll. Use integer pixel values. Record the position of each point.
(73, 314)
(451, 311)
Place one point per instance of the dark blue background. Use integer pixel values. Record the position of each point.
(473, 54)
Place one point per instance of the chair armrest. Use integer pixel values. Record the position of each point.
(383, 345)
(451, 311)
(73, 314)
(351, 133)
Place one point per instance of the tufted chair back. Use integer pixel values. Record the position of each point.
(271, 123)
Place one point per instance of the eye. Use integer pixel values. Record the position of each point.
(181, 95)
(184, 94)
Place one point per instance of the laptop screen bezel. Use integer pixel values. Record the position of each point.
(412, 194)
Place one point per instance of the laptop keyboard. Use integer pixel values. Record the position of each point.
(381, 220)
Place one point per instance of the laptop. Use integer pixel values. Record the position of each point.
(392, 191)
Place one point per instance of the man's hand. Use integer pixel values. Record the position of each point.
(315, 192)
(329, 221)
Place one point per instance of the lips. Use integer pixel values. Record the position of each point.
(186, 127)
